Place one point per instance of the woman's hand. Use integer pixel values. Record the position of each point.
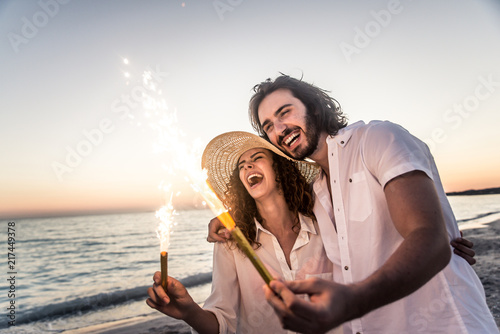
(463, 248)
(217, 232)
(177, 303)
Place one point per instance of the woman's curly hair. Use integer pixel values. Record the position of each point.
(297, 192)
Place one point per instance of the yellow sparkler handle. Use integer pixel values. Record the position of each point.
(226, 220)
(164, 269)
(245, 246)
(248, 250)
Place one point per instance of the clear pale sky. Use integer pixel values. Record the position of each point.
(431, 66)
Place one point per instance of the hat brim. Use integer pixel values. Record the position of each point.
(222, 153)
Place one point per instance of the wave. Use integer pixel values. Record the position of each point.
(482, 215)
(95, 302)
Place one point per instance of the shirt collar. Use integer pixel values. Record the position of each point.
(344, 134)
(306, 226)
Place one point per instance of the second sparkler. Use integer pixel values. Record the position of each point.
(245, 246)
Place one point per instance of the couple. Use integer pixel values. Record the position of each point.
(385, 228)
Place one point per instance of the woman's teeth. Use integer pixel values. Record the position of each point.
(253, 179)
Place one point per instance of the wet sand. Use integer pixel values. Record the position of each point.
(487, 247)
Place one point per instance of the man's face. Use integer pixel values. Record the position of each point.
(285, 121)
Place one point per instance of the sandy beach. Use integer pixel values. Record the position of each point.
(486, 244)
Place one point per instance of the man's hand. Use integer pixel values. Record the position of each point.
(326, 309)
(217, 232)
(463, 247)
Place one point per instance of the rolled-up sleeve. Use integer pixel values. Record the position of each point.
(224, 299)
(389, 151)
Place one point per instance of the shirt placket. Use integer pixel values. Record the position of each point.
(302, 240)
(280, 256)
(341, 219)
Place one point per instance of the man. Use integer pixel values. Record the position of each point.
(384, 219)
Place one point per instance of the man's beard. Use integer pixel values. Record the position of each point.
(312, 136)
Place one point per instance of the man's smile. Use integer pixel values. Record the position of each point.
(290, 140)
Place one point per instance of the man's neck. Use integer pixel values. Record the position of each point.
(320, 156)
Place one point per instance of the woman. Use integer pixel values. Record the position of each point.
(271, 202)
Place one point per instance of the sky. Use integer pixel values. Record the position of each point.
(77, 137)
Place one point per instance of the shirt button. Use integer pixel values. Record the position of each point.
(346, 268)
(342, 142)
(350, 180)
(358, 332)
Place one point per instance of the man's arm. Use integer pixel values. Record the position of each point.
(416, 212)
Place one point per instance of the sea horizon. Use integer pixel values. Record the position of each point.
(468, 192)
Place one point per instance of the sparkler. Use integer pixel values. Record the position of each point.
(183, 159)
(165, 214)
(153, 112)
(164, 269)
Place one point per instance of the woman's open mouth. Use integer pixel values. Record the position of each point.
(254, 179)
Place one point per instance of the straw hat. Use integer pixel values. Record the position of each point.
(223, 152)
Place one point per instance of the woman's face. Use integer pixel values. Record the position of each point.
(256, 172)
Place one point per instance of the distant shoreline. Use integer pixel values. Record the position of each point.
(487, 191)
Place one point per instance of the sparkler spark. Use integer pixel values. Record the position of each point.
(198, 182)
(185, 160)
(152, 112)
(166, 216)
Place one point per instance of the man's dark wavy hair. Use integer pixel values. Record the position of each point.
(326, 112)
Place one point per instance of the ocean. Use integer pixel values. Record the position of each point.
(71, 272)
